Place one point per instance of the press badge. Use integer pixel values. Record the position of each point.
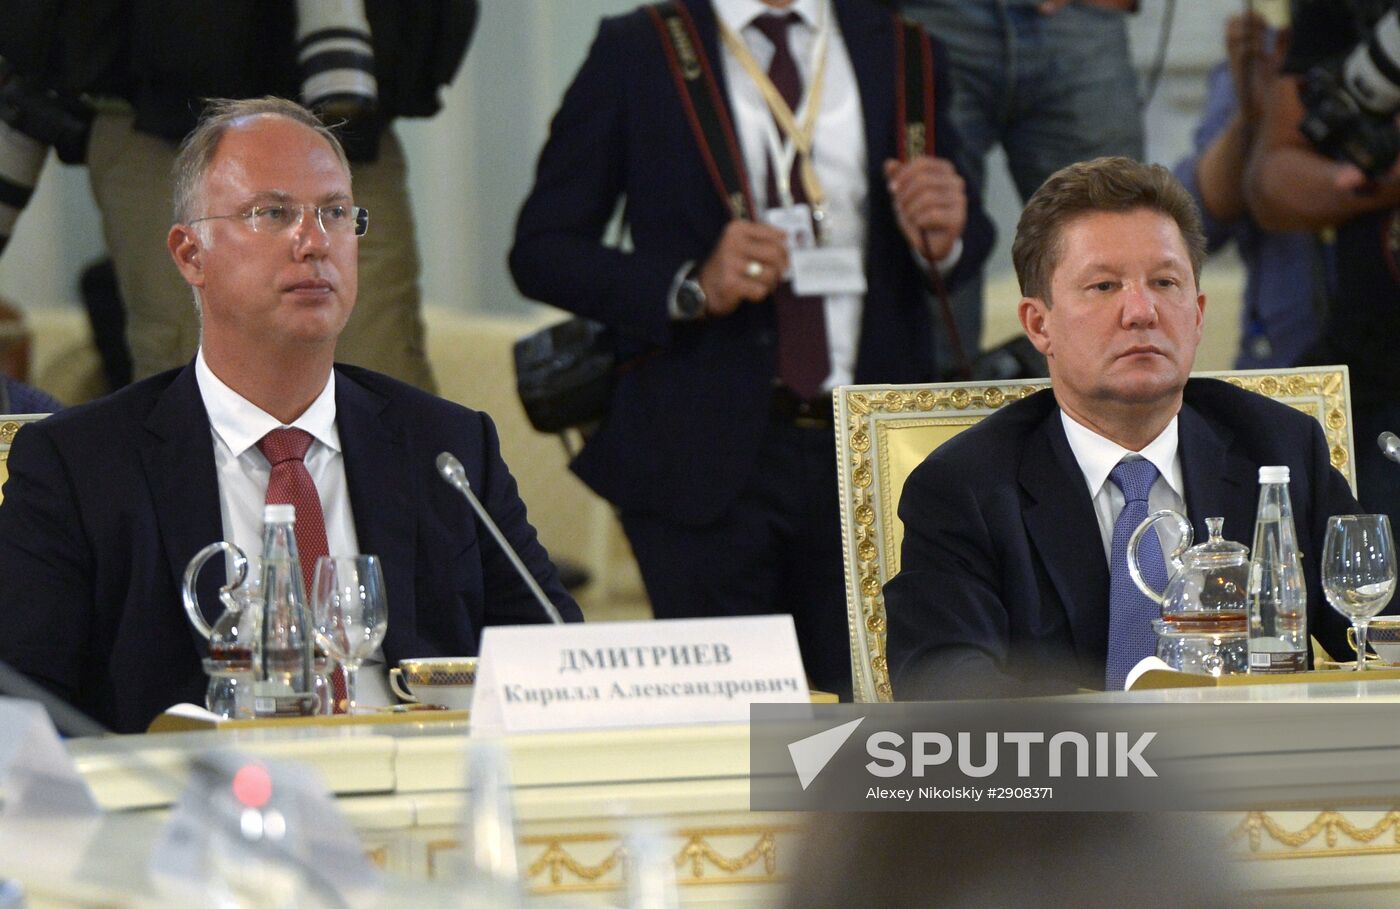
(816, 271)
(827, 270)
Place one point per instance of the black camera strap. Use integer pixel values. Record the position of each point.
(704, 105)
(913, 90)
(915, 136)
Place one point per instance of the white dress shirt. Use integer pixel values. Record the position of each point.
(1098, 456)
(838, 144)
(838, 148)
(235, 425)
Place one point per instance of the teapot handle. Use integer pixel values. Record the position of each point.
(1183, 527)
(190, 597)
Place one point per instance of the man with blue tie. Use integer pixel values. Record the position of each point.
(1013, 573)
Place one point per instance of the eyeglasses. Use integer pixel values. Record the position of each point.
(278, 219)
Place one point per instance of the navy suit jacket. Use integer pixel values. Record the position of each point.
(107, 503)
(1003, 585)
(685, 424)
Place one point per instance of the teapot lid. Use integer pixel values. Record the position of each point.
(1217, 549)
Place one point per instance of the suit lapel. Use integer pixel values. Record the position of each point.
(380, 477)
(1063, 529)
(178, 457)
(1218, 482)
(707, 27)
(711, 216)
(869, 36)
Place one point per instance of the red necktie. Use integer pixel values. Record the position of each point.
(290, 483)
(804, 361)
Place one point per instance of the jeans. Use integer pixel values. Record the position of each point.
(1052, 90)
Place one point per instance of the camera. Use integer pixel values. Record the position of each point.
(336, 54)
(44, 114)
(31, 119)
(1351, 104)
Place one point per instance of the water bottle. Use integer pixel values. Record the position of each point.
(284, 681)
(1278, 596)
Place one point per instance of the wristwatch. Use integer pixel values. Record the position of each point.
(690, 297)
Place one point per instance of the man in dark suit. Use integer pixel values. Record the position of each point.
(1011, 545)
(107, 503)
(717, 448)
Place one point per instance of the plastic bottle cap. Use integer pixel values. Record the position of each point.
(1277, 474)
(282, 514)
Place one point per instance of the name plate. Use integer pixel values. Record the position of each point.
(550, 678)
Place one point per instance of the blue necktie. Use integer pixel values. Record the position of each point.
(1130, 613)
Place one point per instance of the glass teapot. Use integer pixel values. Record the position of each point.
(1209, 584)
(233, 638)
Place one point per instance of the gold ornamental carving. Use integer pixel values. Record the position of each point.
(864, 411)
(8, 430)
(557, 861)
(1329, 833)
(1319, 393)
(558, 865)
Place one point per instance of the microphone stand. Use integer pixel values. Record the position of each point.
(451, 470)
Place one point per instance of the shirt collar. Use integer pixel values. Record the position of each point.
(1098, 456)
(739, 13)
(241, 423)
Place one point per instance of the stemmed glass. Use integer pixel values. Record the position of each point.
(1358, 570)
(351, 613)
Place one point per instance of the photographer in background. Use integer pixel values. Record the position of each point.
(1287, 273)
(1052, 83)
(1293, 184)
(149, 63)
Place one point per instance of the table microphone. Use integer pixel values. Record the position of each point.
(452, 472)
(1390, 445)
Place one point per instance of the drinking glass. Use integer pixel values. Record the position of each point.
(1358, 570)
(350, 610)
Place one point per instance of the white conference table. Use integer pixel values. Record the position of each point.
(577, 794)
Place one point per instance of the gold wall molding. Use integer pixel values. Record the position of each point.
(1339, 836)
(553, 863)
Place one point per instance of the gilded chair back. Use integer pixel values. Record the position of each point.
(9, 425)
(885, 431)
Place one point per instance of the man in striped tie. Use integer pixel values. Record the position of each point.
(1014, 576)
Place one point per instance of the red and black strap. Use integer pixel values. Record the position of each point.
(704, 105)
(913, 90)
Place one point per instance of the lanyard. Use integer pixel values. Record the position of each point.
(798, 131)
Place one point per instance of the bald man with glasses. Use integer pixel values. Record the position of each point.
(107, 503)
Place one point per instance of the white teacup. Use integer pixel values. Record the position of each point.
(1382, 636)
(440, 681)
